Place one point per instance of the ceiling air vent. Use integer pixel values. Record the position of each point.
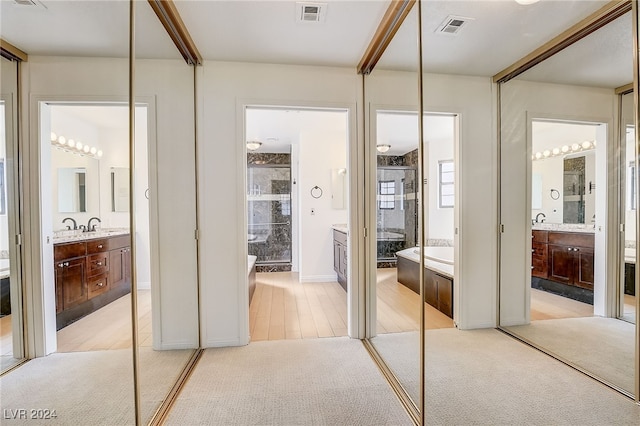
(310, 12)
(29, 3)
(453, 25)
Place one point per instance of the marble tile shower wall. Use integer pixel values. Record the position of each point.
(396, 222)
(269, 210)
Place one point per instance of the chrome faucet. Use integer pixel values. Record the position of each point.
(75, 225)
(92, 228)
(538, 216)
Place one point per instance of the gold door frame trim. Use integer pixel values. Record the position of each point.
(623, 90)
(636, 104)
(12, 53)
(610, 12)
(389, 25)
(174, 26)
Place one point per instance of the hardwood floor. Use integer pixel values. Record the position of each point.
(284, 308)
(546, 305)
(108, 327)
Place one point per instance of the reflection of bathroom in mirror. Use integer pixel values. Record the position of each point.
(119, 178)
(72, 190)
(338, 188)
(563, 172)
(567, 297)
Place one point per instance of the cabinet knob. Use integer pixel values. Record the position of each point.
(532, 267)
(100, 284)
(569, 249)
(66, 263)
(575, 249)
(99, 245)
(60, 265)
(99, 263)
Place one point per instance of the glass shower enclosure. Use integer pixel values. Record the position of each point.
(397, 213)
(269, 215)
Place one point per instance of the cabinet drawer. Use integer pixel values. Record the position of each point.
(540, 236)
(572, 239)
(97, 264)
(98, 285)
(97, 246)
(120, 241)
(69, 251)
(539, 250)
(340, 237)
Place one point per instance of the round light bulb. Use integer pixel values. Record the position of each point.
(93, 150)
(99, 153)
(62, 140)
(565, 148)
(575, 147)
(546, 153)
(595, 144)
(79, 146)
(71, 143)
(538, 155)
(54, 137)
(87, 148)
(586, 145)
(556, 151)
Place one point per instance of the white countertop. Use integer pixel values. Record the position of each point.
(4, 268)
(564, 227)
(630, 255)
(341, 227)
(73, 236)
(438, 259)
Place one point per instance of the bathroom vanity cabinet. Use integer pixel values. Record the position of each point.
(90, 274)
(340, 257)
(566, 258)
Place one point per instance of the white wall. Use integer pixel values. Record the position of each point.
(224, 88)
(522, 100)
(475, 251)
(169, 87)
(323, 147)
(441, 220)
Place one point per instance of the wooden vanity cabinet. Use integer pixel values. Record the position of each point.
(340, 257)
(571, 258)
(539, 254)
(90, 274)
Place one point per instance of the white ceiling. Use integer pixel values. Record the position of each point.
(500, 33)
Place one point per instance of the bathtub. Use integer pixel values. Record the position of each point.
(438, 275)
(389, 236)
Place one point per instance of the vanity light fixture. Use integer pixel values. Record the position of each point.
(382, 148)
(527, 2)
(70, 145)
(253, 145)
(564, 149)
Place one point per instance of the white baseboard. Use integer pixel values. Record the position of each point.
(175, 346)
(222, 343)
(319, 278)
(144, 285)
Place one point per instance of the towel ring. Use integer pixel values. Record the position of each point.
(146, 193)
(316, 192)
(555, 194)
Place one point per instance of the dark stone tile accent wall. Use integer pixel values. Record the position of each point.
(390, 160)
(274, 268)
(269, 210)
(411, 158)
(268, 158)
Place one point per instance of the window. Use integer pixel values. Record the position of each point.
(445, 177)
(387, 192)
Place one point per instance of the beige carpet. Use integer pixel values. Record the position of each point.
(602, 346)
(483, 377)
(90, 388)
(330, 381)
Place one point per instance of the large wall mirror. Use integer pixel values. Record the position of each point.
(567, 276)
(79, 315)
(391, 99)
(164, 217)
